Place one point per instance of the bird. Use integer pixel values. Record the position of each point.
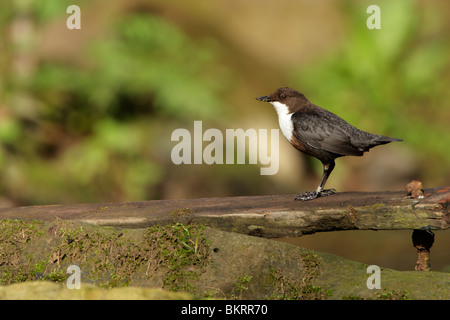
(319, 133)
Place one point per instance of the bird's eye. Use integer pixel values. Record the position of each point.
(282, 96)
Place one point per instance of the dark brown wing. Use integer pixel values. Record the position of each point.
(323, 130)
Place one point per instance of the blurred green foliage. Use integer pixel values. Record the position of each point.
(95, 130)
(145, 62)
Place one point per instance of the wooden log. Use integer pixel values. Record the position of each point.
(268, 216)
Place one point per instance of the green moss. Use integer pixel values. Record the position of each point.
(57, 276)
(377, 206)
(180, 212)
(39, 267)
(392, 295)
(16, 265)
(352, 297)
(110, 258)
(301, 288)
(102, 252)
(182, 251)
(385, 294)
(240, 287)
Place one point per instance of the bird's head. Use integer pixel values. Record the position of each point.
(282, 95)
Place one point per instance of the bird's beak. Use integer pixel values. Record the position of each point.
(265, 98)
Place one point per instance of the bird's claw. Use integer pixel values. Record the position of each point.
(310, 195)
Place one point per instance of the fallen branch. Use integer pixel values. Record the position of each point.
(269, 216)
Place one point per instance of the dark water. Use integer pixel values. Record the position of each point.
(389, 249)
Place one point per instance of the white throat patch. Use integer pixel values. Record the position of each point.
(284, 119)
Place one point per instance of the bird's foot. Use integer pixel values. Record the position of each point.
(310, 195)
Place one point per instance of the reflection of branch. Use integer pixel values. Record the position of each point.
(265, 216)
(422, 241)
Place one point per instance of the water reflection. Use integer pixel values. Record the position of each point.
(389, 249)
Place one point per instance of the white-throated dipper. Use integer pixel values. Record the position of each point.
(319, 133)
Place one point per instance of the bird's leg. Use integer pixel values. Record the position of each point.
(327, 168)
(320, 192)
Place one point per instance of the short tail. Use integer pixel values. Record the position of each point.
(384, 140)
(379, 140)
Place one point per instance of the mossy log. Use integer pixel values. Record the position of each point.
(269, 216)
